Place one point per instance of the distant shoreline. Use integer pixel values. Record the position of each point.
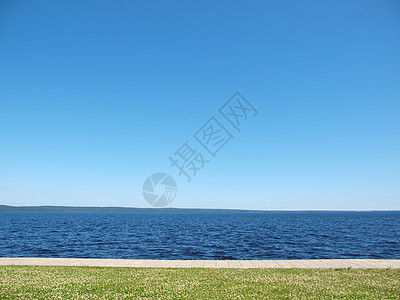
(49, 208)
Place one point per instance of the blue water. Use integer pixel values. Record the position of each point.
(266, 235)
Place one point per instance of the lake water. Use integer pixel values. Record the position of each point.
(247, 235)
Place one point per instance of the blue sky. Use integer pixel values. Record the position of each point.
(95, 96)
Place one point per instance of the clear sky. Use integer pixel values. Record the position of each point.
(95, 96)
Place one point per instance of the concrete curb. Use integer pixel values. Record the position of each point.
(232, 264)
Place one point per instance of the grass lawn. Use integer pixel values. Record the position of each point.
(30, 282)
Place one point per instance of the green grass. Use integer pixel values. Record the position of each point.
(30, 282)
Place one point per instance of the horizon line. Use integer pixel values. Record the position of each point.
(196, 208)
